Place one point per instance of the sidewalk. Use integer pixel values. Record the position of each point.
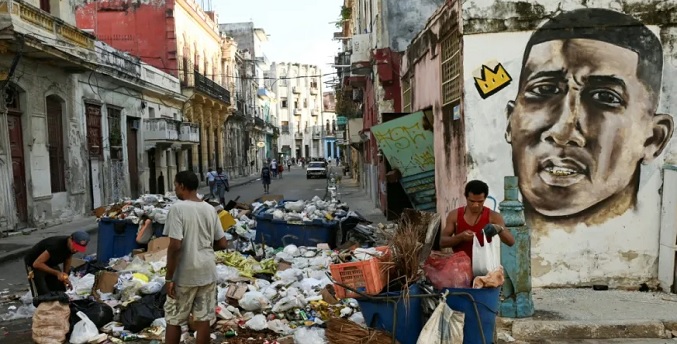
(234, 182)
(358, 200)
(576, 314)
(17, 244)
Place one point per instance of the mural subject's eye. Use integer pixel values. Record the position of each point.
(543, 90)
(606, 98)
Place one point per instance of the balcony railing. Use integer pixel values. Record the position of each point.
(190, 132)
(298, 135)
(206, 85)
(161, 129)
(297, 112)
(313, 91)
(259, 122)
(296, 90)
(315, 112)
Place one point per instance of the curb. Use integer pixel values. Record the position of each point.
(20, 252)
(529, 330)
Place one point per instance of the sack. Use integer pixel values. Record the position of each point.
(50, 322)
(99, 313)
(84, 330)
(51, 296)
(485, 258)
(449, 270)
(444, 326)
(141, 314)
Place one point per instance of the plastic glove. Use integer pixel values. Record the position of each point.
(490, 230)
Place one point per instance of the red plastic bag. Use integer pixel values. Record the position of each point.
(449, 270)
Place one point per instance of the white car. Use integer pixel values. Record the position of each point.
(316, 169)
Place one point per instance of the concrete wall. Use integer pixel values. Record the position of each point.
(35, 81)
(589, 151)
(404, 19)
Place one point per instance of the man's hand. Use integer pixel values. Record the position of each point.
(63, 278)
(467, 235)
(171, 290)
(490, 230)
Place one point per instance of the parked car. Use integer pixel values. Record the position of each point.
(316, 169)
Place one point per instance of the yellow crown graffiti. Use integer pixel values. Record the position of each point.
(492, 81)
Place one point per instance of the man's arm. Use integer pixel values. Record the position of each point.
(448, 237)
(174, 230)
(173, 253)
(220, 242)
(497, 220)
(67, 265)
(41, 264)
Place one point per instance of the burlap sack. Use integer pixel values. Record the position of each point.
(50, 323)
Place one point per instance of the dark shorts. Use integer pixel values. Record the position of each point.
(266, 181)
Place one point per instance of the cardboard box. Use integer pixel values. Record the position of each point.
(154, 256)
(105, 281)
(328, 297)
(158, 244)
(236, 292)
(76, 262)
(120, 265)
(282, 265)
(138, 251)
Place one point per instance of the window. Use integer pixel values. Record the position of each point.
(451, 68)
(57, 160)
(151, 112)
(284, 103)
(285, 127)
(305, 103)
(114, 133)
(44, 5)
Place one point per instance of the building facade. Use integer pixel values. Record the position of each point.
(597, 175)
(192, 51)
(299, 107)
(334, 132)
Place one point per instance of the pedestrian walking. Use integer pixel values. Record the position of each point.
(280, 169)
(273, 168)
(42, 262)
(221, 184)
(211, 175)
(288, 165)
(265, 178)
(194, 233)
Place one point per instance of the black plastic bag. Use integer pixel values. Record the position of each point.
(90, 268)
(141, 314)
(51, 296)
(99, 313)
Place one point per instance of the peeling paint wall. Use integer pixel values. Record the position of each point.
(588, 150)
(403, 19)
(36, 81)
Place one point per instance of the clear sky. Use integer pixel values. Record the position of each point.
(300, 30)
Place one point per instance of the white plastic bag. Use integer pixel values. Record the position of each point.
(311, 335)
(257, 323)
(253, 301)
(444, 326)
(84, 330)
(485, 258)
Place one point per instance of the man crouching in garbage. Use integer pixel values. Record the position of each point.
(464, 223)
(195, 233)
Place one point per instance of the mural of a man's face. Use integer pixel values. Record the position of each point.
(581, 124)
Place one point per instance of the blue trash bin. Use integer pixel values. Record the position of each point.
(379, 314)
(117, 238)
(487, 301)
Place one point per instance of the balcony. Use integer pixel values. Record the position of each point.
(296, 90)
(317, 134)
(360, 63)
(264, 94)
(314, 91)
(190, 133)
(298, 135)
(285, 129)
(161, 129)
(214, 90)
(259, 122)
(315, 112)
(297, 112)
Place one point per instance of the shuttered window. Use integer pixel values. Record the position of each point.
(56, 144)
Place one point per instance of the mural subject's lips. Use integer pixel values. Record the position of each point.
(562, 172)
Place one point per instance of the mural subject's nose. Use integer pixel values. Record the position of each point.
(566, 131)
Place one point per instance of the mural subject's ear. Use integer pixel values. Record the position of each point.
(663, 126)
(508, 130)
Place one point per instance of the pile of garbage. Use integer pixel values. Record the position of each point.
(153, 205)
(301, 210)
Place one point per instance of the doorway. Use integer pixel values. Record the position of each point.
(152, 173)
(132, 157)
(18, 168)
(94, 139)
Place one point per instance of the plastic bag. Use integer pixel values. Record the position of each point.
(99, 313)
(226, 273)
(485, 258)
(257, 323)
(253, 301)
(280, 327)
(151, 287)
(444, 326)
(84, 330)
(449, 270)
(311, 335)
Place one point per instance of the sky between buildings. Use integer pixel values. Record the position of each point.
(300, 30)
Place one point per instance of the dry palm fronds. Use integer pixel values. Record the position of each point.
(342, 331)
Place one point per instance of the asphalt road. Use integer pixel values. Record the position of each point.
(293, 185)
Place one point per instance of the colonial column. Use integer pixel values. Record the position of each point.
(161, 168)
(220, 125)
(197, 118)
(204, 137)
(172, 169)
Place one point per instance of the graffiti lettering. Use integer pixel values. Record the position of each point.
(491, 81)
(426, 158)
(401, 137)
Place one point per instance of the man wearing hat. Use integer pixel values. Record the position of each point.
(43, 260)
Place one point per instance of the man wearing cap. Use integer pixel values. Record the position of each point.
(43, 260)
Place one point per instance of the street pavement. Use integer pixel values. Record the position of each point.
(293, 185)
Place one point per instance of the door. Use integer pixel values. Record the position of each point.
(94, 143)
(18, 170)
(133, 158)
(152, 175)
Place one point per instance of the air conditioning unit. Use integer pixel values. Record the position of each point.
(136, 124)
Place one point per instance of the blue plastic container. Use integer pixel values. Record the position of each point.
(278, 233)
(117, 238)
(379, 315)
(487, 301)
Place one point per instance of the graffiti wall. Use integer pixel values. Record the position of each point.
(580, 110)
